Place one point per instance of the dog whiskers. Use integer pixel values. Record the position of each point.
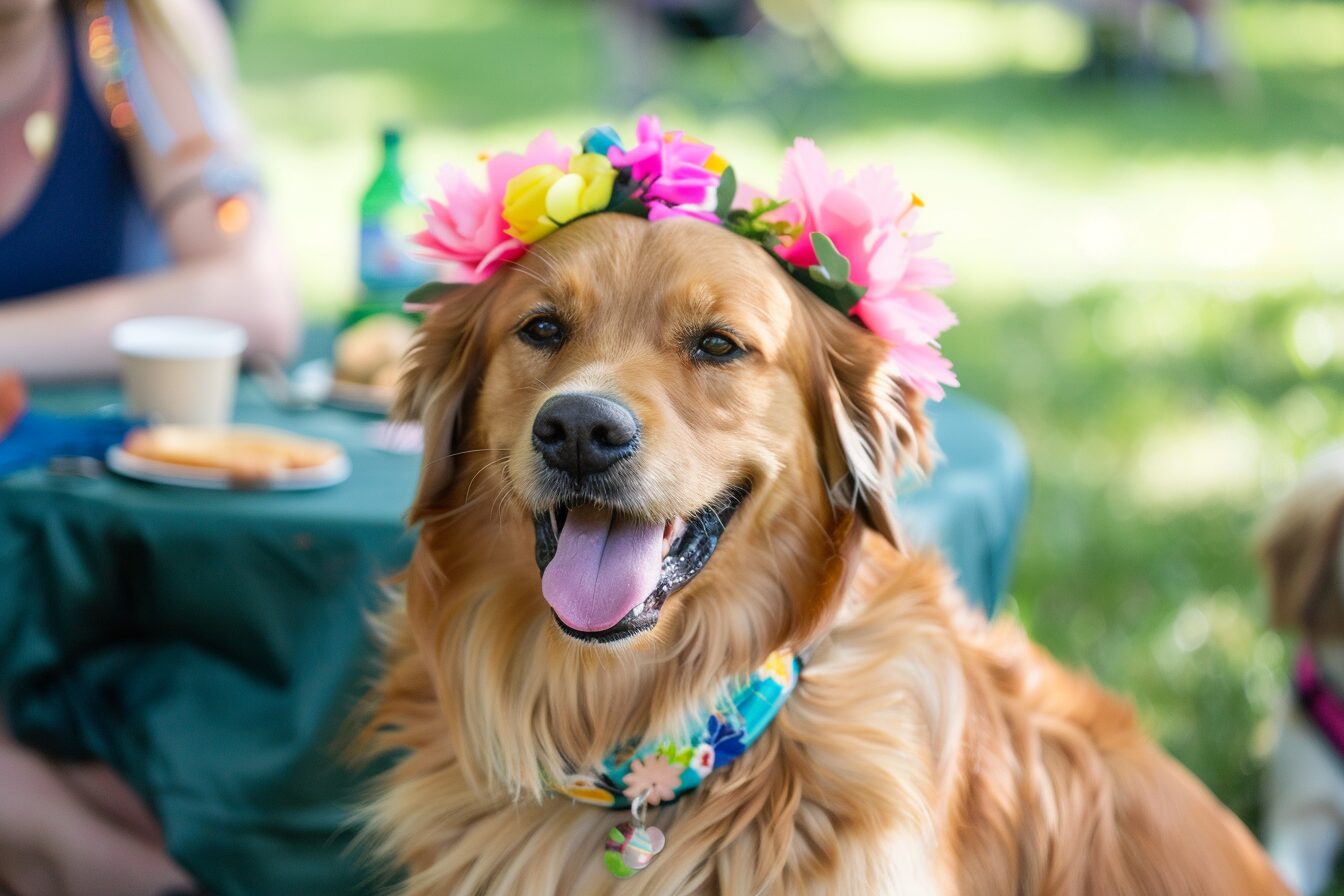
(546, 258)
(483, 469)
(514, 266)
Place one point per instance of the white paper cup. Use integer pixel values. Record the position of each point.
(179, 369)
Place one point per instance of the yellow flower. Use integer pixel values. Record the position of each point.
(543, 197)
(585, 189)
(525, 202)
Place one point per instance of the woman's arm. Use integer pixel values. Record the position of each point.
(64, 334)
(233, 273)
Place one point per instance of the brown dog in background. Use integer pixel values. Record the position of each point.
(1301, 548)
(923, 752)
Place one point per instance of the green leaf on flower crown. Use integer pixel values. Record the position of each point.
(628, 205)
(738, 220)
(753, 218)
(841, 298)
(727, 193)
(761, 207)
(832, 268)
(430, 293)
(751, 224)
(765, 238)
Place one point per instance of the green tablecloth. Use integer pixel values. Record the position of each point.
(210, 645)
(971, 508)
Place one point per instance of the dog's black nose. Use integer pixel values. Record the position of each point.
(582, 434)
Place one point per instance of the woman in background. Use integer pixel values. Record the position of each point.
(124, 191)
(124, 183)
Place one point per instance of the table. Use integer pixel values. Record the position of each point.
(210, 645)
(972, 506)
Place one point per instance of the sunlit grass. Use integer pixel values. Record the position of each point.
(1298, 35)
(1153, 458)
(1043, 188)
(942, 39)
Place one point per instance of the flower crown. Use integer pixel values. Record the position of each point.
(847, 240)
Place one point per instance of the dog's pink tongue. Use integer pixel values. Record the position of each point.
(604, 565)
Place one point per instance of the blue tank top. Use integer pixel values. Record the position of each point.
(87, 221)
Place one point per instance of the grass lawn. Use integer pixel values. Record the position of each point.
(1151, 278)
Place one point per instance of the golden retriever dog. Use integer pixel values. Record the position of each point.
(701, 456)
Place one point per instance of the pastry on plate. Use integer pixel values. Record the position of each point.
(244, 452)
(370, 352)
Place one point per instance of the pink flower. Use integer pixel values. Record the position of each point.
(468, 230)
(672, 167)
(543, 150)
(654, 776)
(868, 218)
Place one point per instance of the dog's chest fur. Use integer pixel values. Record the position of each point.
(922, 754)
(836, 796)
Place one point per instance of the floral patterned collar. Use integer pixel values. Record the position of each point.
(661, 769)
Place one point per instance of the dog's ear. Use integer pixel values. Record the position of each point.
(442, 375)
(1299, 545)
(871, 424)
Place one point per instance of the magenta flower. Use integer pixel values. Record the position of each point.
(467, 231)
(868, 218)
(674, 170)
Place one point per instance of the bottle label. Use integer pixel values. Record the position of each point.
(385, 261)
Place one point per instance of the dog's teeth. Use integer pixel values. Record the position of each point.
(672, 534)
(555, 521)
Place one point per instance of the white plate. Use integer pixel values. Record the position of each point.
(315, 381)
(330, 473)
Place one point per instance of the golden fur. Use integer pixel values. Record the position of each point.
(924, 752)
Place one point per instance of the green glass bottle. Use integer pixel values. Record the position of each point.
(388, 216)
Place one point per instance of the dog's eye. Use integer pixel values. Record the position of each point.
(714, 346)
(544, 332)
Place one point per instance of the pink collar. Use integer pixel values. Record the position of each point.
(1317, 699)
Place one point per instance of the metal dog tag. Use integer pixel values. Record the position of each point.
(633, 845)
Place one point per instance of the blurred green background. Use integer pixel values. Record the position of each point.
(1150, 267)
